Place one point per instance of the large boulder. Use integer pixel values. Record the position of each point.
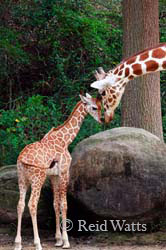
(120, 173)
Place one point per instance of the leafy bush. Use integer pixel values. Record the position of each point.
(25, 124)
(48, 51)
(60, 42)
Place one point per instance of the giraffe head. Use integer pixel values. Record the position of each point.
(92, 106)
(111, 85)
(110, 90)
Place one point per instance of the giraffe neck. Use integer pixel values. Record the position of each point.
(147, 61)
(66, 132)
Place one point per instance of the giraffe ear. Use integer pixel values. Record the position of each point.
(83, 98)
(88, 95)
(86, 99)
(98, 85)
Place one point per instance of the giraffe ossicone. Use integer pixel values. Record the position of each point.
(50, 157)
(111, 85)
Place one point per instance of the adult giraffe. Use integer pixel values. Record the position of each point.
(112, 85)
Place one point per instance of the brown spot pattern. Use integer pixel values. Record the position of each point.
(127, 72)
(59, 134)
(124, 84)
(112, 91)
(81, 108)
(74, 122)
(145, 50)
(151, 65)
(64, 130)
(116, 71)
(122, 66)
(71, 131)
(144, 56)
(68, 125)
(120, 73)
(131, 60)
(158, 53)
(131, 77)
(137, 70)
(113, 103)
(110, 100)
(164, 65)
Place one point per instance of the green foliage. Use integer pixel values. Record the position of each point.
(60, 42)
(25, 124)
(48, 52)
(11, 53)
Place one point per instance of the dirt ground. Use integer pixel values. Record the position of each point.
(101, 241)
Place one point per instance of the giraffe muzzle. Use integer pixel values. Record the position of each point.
(108, 118)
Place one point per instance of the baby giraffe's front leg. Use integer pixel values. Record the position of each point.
(63, 204)
(33, 212)
(56, 203)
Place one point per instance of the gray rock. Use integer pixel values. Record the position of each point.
(8, 194)
(120, 173)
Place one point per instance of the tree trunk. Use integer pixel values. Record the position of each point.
(141, 105)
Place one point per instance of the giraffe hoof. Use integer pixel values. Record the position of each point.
(38, 246)
(66, 245)
(18, 246)
(59, 243)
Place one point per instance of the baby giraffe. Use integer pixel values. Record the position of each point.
(35, 160)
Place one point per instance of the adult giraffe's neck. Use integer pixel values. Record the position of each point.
(70, 128)
(144, 62)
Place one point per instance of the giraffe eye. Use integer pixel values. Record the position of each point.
(103, 93)
(94, 108)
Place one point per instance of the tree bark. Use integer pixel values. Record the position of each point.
(141, 106)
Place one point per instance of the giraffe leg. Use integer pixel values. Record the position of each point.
(20, 210)
(63, 204)
(34, 198)
(56, 203)
(23, 186)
